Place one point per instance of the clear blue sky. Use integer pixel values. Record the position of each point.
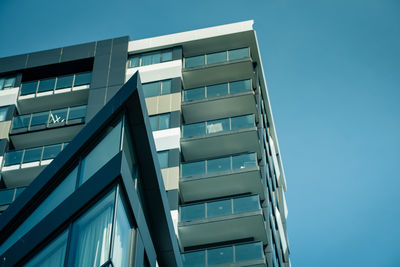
(333, 72)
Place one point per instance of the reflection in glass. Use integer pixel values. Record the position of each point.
(242, 122)
(216, 57)
(218, 256)
(192, 212)
(240, 86)
(32, 154)
(217, 90)
(217, 126)
(133, 62)
(238, 53)
(167, 55)
(58, 116)
(122, 236)
(191, 62)
(244, 161)
(218, 165)
(219, 208)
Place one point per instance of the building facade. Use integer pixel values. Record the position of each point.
(223, 187)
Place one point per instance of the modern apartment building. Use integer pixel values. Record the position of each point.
(205, 188)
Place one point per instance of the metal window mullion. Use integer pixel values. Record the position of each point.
(68, 247)
(114, 221)
(37, 88)
(205, 92)
(231, 162)
(22, 157)
(205, 210)
(232, 206)
(230, 124)
(229, 87)
(234, 253)
(73, 81)
(41, 156)
(14, 194)
(226, 56)
(67, 116)
(206, 257)
(30, 121)
(48, 118)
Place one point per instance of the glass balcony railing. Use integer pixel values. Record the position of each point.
(219, 208)
(36, 154)
(50, 118)
(221, 125)
(219, 57)
(239, 253)
(7, 196)
(222, 89)
(231, 163)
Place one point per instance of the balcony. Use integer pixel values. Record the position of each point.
(47, 127)
(54, 92)
(220, 177)
(218, 101)
(217, 138)
(247, 254)
(221, 221)
(7, 196)
(22, 166)
(217, 67)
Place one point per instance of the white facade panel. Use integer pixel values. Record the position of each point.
(167, 139)
(9, 96)
(157, 72)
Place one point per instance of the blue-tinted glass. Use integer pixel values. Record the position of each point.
(28, 88)
(218, 165)
(216, 57)
(248, 252)
(83, 78)
(193, 168)
(6, 196)
(192, 212)
(245, 204)
(194, 94)
(134, 62)
(151, 59)
(238, 53)
(242, 122)
(9, 82)
(217, 126)
(19, 191)
(191, 62)
(120, 255)
(13, 157)
(217, 90)
(240, 86)
(50, 152)
(163, 159)
(3, 113)
(64, 82)
(219, 208)
(164, 121)
(2, 80)
(77, 113)
(166, 55)
(194, 129)
(32, 154)
(39, 118)
(21, 121)
(165, 87)
(194, 259)
(151, 89)
(219, 256)
(46, 85)
(58, 116)
(154, 122)
(244, 161)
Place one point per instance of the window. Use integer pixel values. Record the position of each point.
(150, 58)
(163, 159)
(215, 58)
(7, 82)
(3, 113)
(160, 122)
(157, 88)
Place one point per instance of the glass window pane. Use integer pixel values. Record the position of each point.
(6, 196)
(164, 121)
(154, 122)
(122, 236)
(238, 53)
(40, 118)
(242, 122)
(219, 208)
(77, 113)
(166, 87)
(101, 154)
(217, 90)
(9, 82)
(83, 78)
(194, 94)
(28, 88)
(193, 168)
(245, 204)
(91, 234)
(219, 256)
(247, 252)
(58, 116)
(218, 165)
(151, 89)
(217, 126)
(191, 62)
(167, 55)
(13, 157)
(21, 121)
(146, 60)
(244, 161)
(46, 85)
(163, 159)
(50, 152)
(52, 255)
(192, 212)
(3, 114)
(194, 259)
(134, 62)
(2, 80)
(19, 191)
(64, 81)
(32, 154)
(194, 129)
(216, 57)
(240, 86)
(156, 58)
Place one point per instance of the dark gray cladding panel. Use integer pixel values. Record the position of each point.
(111, 91)
(96, 102)
(103, 47)
(176, 85)
(3, 146)
(76, 52)
(173, 199)
(13, 63)
(118, 61)
(175, 119)
(173, 157)
(46, 57)
(100, 70)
